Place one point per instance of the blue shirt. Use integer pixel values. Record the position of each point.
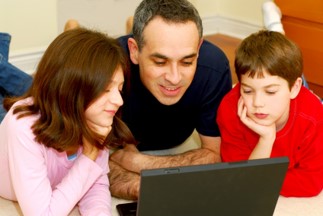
(157, 126)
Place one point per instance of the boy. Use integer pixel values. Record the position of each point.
(270, 114)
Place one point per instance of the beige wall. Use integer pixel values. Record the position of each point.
(35, 23)
(245, 10)
(32, 23)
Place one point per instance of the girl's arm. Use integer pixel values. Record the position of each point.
(44, 183)
(97, 200)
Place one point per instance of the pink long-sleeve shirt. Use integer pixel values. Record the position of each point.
(43, 180)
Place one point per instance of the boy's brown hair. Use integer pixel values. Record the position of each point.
(271, 52)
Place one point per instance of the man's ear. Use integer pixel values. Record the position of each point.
(201, 41)
(133, 49)
(200, 44)
(296, 88)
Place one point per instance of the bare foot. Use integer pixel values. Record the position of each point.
(71, 24)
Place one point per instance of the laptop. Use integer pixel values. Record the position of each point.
(241, 188)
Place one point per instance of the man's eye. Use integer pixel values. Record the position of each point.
(159, 63)
(187, 63)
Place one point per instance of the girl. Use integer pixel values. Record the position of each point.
(54, 140)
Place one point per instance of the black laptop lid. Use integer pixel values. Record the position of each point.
(240, 188)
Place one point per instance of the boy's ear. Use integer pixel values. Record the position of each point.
(133, 49)
(296, 88)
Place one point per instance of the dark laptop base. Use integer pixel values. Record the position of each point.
(240, 188)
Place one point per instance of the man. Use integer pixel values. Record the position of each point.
(177, 81)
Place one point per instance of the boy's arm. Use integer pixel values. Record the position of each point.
(304, 178)
(240, 134)
(267, 133)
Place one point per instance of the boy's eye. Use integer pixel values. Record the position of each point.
(246, 91)
(271, 92)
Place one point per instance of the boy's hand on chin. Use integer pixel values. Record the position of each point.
(262, 130)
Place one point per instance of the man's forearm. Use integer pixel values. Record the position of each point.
(192, 157)
(131, 159)
(123, 183)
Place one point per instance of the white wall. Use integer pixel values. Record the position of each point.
(33, 24)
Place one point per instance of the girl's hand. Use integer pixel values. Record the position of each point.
(90, 150)
(103, 131)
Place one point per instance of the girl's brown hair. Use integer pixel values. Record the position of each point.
(74, 70)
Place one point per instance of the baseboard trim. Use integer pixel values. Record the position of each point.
(228, 26)
(27, 60)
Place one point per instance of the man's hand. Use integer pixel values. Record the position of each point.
(123, 184)
(128, 158)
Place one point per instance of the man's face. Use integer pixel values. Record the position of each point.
(168, 58)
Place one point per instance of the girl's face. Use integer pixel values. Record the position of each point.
(267, 99)
(100, 113)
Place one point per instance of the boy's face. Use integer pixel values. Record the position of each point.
(267, 99)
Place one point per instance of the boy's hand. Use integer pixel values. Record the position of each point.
(263, 131)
